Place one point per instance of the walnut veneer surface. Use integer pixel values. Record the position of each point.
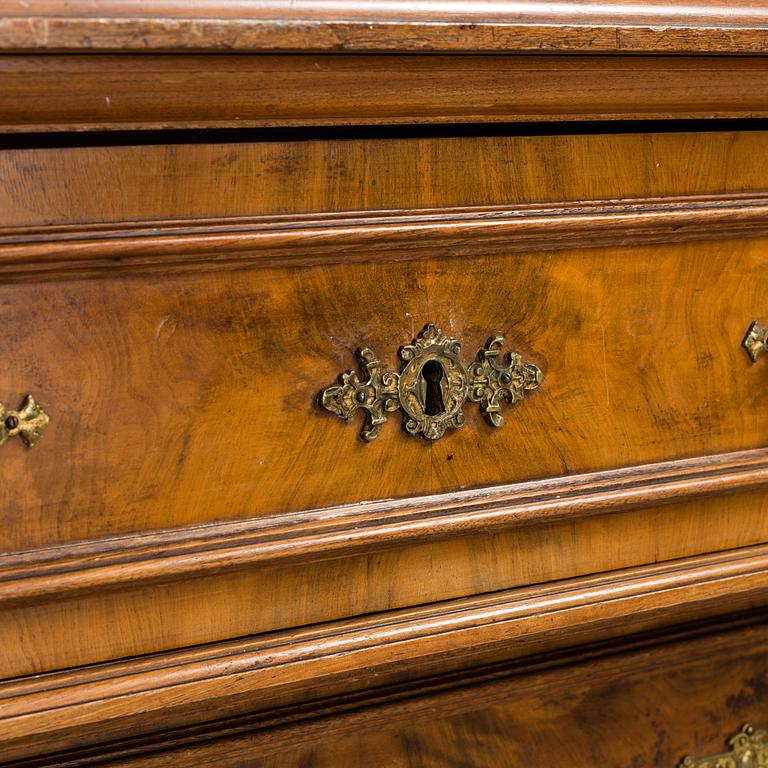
(206, 209)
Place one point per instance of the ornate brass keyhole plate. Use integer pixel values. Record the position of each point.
(432, 387)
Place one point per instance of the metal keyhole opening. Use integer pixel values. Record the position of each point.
(432, 374)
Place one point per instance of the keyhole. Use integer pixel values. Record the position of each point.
(432, 373)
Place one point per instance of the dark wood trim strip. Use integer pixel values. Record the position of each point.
(128, 92)
(343, 25)
(115, 700)
(315, 535)
(370, 236)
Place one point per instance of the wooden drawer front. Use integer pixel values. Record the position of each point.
(551, 658)
(189, 488)
(654, 707)
(187, 398)
(179, 336)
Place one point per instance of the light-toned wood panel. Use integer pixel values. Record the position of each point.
(192, 399)
(129, 698)
(60, 632)
(324, 534)
(122, 92)
(139, 183)
(527, 25)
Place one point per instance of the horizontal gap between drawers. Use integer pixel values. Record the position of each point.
(364, 236)
(163, 556)
(288, 667)
(53, 136)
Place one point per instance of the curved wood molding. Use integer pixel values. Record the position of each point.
(329, 533)
(681, 658)
(128, 92)
(430, 25)
(374, 235)
(116, 700)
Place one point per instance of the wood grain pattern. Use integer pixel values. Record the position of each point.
(537, 683)
(62, 631)
(197, 551)
(149, 403)
(200, 567)
(108, 92)
(192, 399)
(309, 239)
(157, 383)
(246, 676)
(663, 702)
(117, 184)
(431, 25)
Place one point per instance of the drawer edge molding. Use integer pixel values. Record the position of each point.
(365, 236)
(57, 92)
(697, 27)
(280, 669)
(322, 534)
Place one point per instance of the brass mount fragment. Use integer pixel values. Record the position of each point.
(28, 422)
(755, 340)
(749, 749)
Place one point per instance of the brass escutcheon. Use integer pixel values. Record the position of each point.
(432, 386)
(749, 749)
(28, 422)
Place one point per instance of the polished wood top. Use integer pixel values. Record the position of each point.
(739, 26)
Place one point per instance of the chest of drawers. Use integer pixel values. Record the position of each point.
(521, 252)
